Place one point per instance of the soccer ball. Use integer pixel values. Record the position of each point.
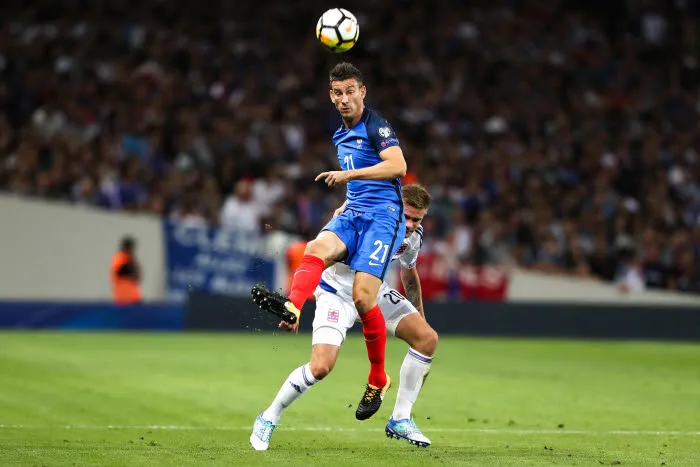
(338, 30)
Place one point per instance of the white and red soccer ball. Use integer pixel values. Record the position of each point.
(338, 30)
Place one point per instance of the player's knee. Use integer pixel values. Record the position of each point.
(427, 342)
(320, 249)
(364, 300)
(315, 248)
(320, 370)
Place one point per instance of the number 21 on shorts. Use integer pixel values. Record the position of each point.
(381, 249)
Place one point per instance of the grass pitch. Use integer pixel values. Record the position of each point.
(190, 399)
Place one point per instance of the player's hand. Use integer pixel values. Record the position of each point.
(338, 211)
(334, 177)
(285, 326)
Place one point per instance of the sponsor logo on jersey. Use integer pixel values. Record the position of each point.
(388, 141)
(384, 131)
(333, 316)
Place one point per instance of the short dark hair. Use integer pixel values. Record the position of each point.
(343, 71)
(416, 196)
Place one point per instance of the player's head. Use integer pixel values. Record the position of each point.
(347, 91)
(416, 201)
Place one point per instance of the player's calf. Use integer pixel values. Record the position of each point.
(364, 294)
(416, 332)
(374, 331)
(320, 253)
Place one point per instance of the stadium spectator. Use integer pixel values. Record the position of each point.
(125, 274)
(241, 211)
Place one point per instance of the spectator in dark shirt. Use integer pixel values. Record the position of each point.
(602, 263)
(656, 274)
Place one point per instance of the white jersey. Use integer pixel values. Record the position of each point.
(339, 278)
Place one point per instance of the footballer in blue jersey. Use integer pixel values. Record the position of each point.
(365, 232)
(372, 223)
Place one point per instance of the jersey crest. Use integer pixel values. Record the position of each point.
(401, 249)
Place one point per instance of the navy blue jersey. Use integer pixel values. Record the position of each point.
(359, 147)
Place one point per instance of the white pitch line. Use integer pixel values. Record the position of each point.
(345, 429)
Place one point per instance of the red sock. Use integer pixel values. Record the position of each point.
(306, 279)
(374, 329)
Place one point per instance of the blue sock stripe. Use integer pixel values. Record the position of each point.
(303, 375)
(419, 357)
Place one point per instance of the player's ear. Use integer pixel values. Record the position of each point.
(330, 93)
(363, 91)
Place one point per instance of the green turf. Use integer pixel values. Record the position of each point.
(190, 399)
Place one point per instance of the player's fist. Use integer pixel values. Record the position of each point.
(285, 326)
(338, 211)
(334, 177)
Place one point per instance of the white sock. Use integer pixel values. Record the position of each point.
(298, 382)
(414, 370)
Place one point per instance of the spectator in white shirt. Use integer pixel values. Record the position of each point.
(271, 189)
(240, 211)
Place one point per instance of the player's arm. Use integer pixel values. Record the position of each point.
(411, 286)
(393, 165)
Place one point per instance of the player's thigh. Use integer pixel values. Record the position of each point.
(396, 309)
(333, 318)
(338, 238)
(328, 246)
(380, 237)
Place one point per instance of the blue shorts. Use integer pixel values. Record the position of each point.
(371, 239)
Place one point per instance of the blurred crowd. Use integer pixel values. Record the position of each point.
(562, 136)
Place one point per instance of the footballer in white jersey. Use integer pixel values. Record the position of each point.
(336, 313)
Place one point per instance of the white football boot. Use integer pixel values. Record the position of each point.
(406, 429)
(262, 433)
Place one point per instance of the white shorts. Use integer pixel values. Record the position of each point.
(335, 314)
